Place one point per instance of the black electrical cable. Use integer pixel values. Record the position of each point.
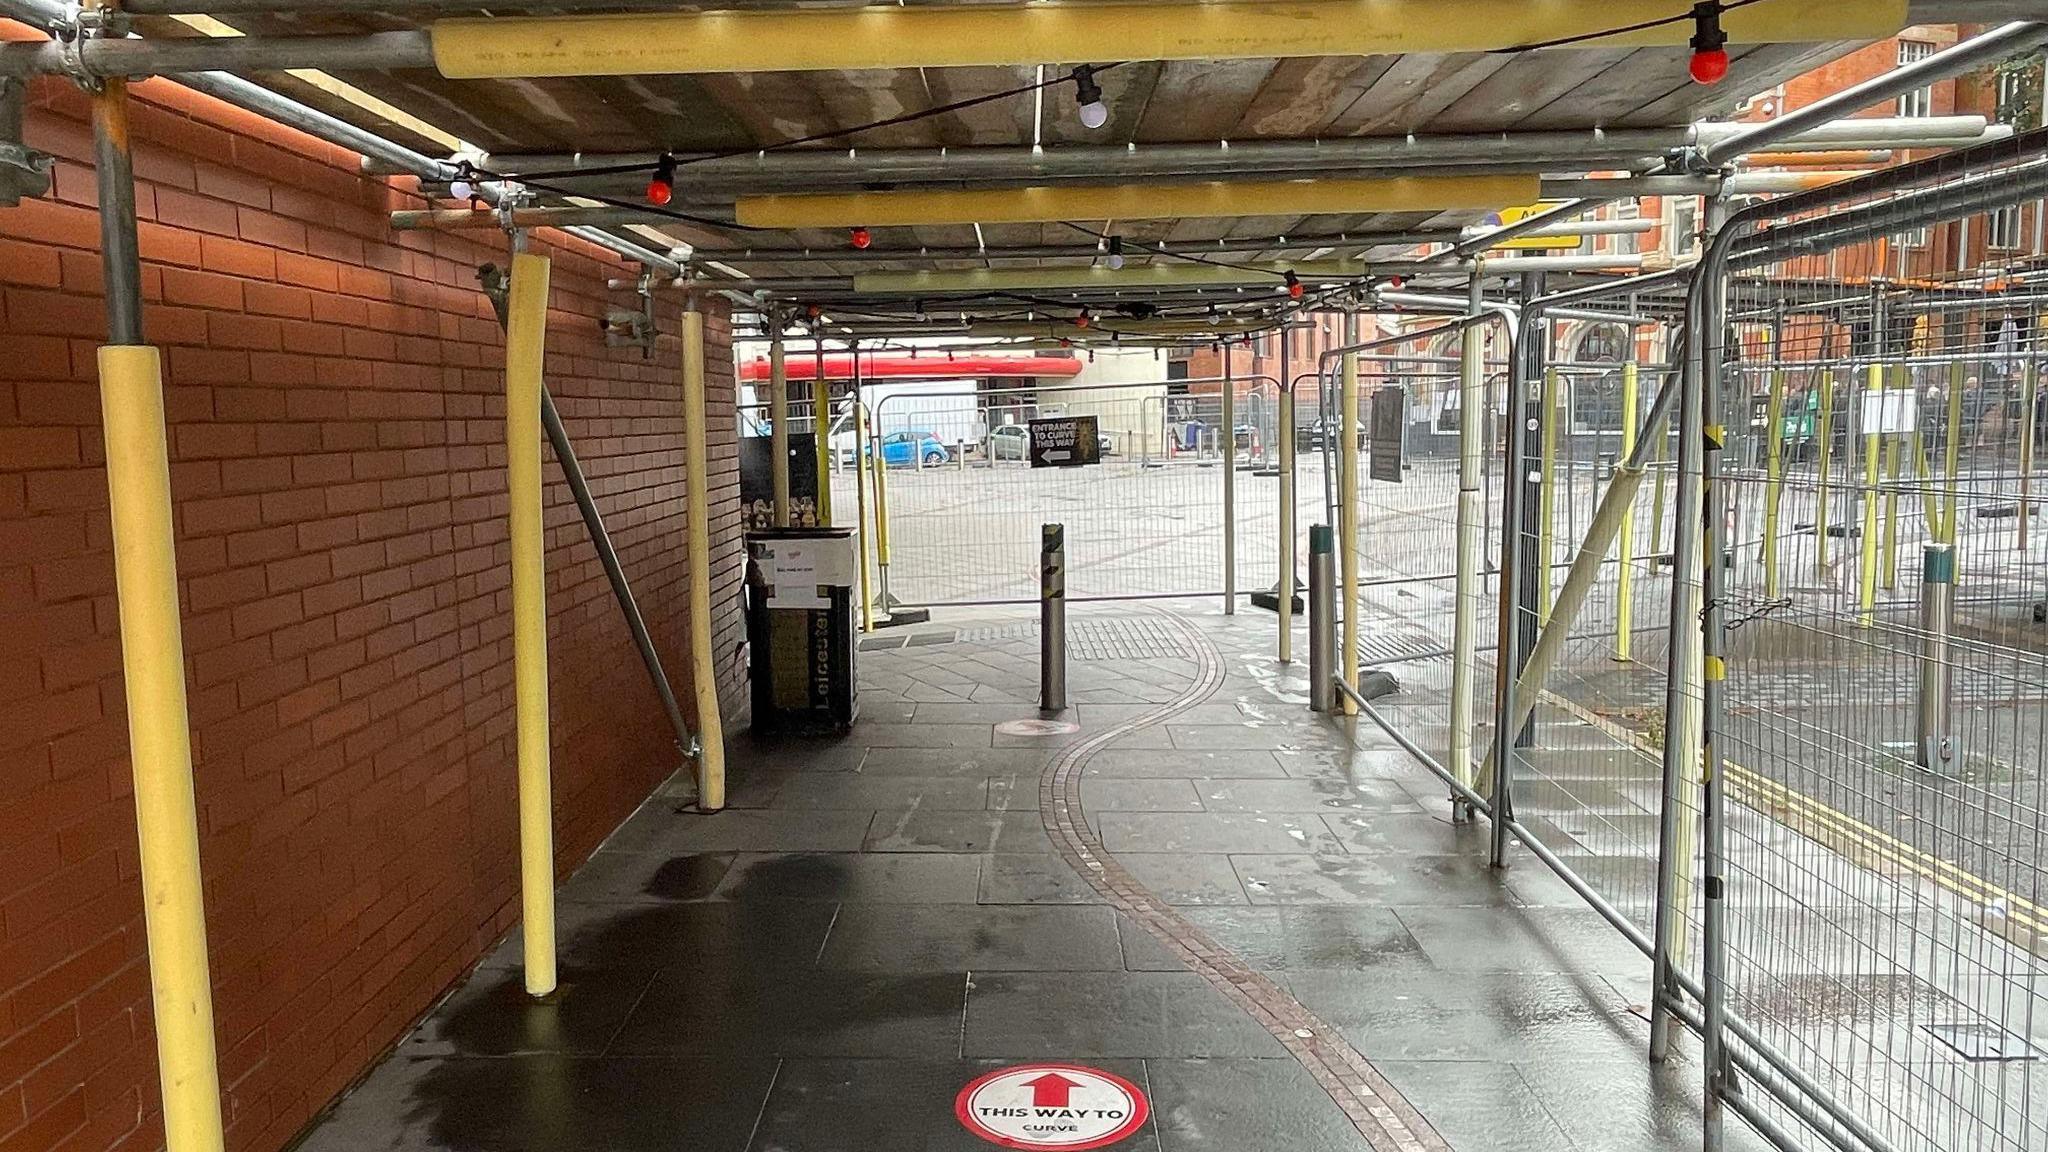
(1581, 38)
(1074, 76)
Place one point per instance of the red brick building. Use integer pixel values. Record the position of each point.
(335, 398)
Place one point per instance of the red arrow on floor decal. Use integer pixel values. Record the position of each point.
(1051, 1090)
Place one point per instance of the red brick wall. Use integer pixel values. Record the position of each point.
(336, 423)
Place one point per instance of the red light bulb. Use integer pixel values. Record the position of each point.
(1710, 66)
(860, 237)
(661, 187)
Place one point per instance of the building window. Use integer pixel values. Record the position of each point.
(1920, 101)
(1682, 216)
(1917, 238)
(1621, 242)
(2002, 228)
(2011, 95)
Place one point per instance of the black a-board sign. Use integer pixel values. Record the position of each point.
(1064, 442)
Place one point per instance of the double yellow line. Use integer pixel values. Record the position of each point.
(1840, 830)
(1882, 847)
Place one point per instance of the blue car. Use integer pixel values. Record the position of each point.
(908, 449)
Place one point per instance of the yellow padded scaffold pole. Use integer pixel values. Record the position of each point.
(526, 326)
(159, 744)
(697, 515)
(877, 37)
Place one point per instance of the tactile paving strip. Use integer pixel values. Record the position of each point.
(1375, 1107)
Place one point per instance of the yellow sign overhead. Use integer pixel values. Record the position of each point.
(1534, 243)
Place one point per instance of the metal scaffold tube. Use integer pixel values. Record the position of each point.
(697, 516)
(1774, 460)
(153, 659)
(525, 340)
(1473, 411)
(1709, 319)
(1625, 531)
(614, 571)
(1681, 758)
(778, 430)
(878, 462)
(821, 435)
(860, 494)
(1283, 602)
(1347, 510)
(1229, 486)
(1988, 48)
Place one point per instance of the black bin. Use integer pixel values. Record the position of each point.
(800, 629)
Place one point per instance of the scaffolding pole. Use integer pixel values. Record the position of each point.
(778, 424)
(1229, 486)
(697, 516)
(153, 659)
(1283, 605)
(526, 315)
(1624, 607)
(821, 436)
(1472, 413)
(1347, 509)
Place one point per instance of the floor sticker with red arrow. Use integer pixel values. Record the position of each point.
(1064, 1106)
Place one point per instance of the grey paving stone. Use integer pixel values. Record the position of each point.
(1214, 832)
(494, 1015)
(917, 830)
(1416, 1011)
(614, 877)
(1235, 1105)
(548, 1103)
(876, 878)
(1032, 879)
(861, 790)
(1086, 1015)
(1132, 763)
(764, 1011)
(914, 735)
(1629, 1106)
(1320, 796)
(1379, 833)
(1185, 877)
(1381, 879)
(1140, 795)
(1283, 937)
(1351, 765)
(740, 830)
(976, 762)
(628, 938)
(1480, 1105)
(1249, 735)
(975, 938)
(1521, 939)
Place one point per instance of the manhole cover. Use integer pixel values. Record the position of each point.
(1983, 1041)
(1037, 727)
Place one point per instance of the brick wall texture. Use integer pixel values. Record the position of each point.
(336, 437)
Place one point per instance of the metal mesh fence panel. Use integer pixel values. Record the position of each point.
(1883, 751)
(1147, 520)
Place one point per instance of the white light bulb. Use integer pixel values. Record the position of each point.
(1094, 114)
(1116, 261)
(462, 190)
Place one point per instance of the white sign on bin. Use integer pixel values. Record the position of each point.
(1889, 412)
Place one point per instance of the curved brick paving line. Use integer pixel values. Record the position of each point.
(1381, 1114)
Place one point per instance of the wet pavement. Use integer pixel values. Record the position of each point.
(1257, 916)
